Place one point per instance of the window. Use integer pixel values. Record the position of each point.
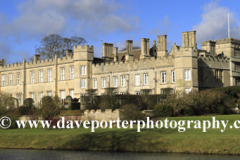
(122, 81)
(173, 77)
(94, 83)
(187, 75)
(62, 74)
(32, 76)
(103, 82)
(49, 93)
(40, 76)
(145, 78)
(32, 95)
(10, 79)
(18, 78)
(18, 100)
(40, 97)
(62, 94)
(218, 76)
(187, 90)
(49, 75)
(237, 66)
(163, 76)
(3, 80)
(83, 83)
(72, 72)
(115, 81)
(137, 79)
(83, 70)
(137, 93)
(72, 93)
(167, 91)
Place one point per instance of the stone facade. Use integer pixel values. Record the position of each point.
(154, 69)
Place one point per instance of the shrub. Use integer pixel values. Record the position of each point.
(75, 106)
(233, 91)
(109, 100)
(23, 110)
(29, 102)
(14, 124)
(3, 111)
(49, 108)
(189, 111)
(163, 110)
(222, 110)
(132, 112)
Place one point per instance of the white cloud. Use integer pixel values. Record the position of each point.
(43, 17)
(162, 28)
(214, 24)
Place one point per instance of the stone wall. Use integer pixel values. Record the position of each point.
(100, 115)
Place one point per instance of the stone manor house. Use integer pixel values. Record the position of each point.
(152, 69)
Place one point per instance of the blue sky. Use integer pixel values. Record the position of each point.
(23, 23)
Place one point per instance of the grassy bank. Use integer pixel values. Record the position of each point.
(149, 140)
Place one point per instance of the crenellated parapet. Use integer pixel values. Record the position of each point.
(121, 66)
(83, 53)
(85, 48)
(14, 66)
(36, 63)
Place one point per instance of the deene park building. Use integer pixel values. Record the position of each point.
(151, 68)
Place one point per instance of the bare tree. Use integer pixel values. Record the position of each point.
(55, 44)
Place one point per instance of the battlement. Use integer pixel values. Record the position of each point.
(85, 48)
(221, 41)
(150, 62)
(42, 62)
(213, 58)
(14, 66)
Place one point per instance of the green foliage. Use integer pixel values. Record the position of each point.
(109, 100)
(75, 106)
(222, 110)
(23, 110)
(29, 102)
(233, 91)
(91, 100)
(132, 112)
(3, 111)
(6, 100)
(14, 124)
(189, 111)
(163, 110)
(50, 107)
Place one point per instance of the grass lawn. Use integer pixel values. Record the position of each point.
(148, 140)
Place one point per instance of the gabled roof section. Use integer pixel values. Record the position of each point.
(174, 49)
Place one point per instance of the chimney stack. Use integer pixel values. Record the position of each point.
(162, 45)
(144, 48)
(36, 57)
(189, 39)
